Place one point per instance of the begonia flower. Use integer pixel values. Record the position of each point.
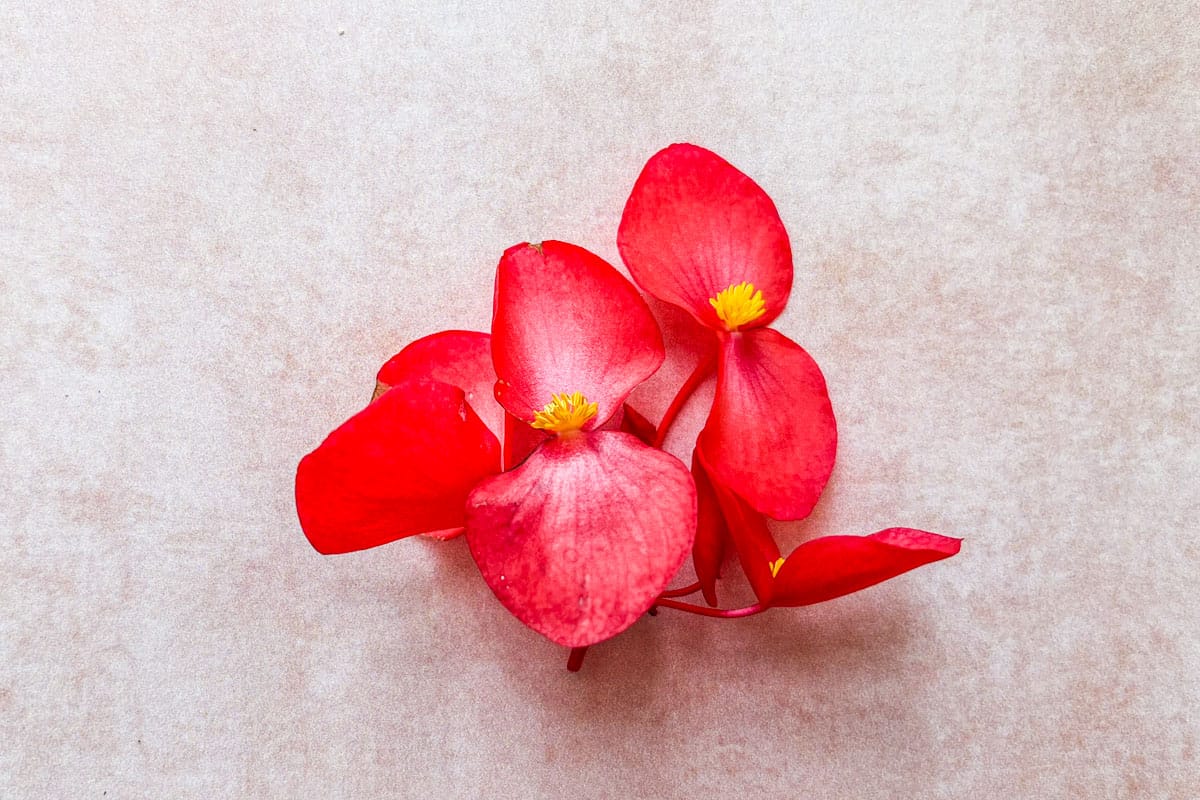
(699, 234)
(523, 438)
(579, 539)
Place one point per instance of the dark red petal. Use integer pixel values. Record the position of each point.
(708, 551)
(401, 466)
(694, 225)
(634, 422)
(832, 566)
(520, 439)
(459, 358)
(579, 540)
(756, 547)
(771, 435)
(566, 321)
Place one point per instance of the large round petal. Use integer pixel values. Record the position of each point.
(579, 540)
(566, 321)
(771, 436)
(832, 566)
(694, 225)
(401, 466)
(459, 358)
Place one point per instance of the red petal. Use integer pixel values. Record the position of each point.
(756, 547)
(771, 435)
(832, 566)
(566, 321)
(459, 358)
(634, 422)
(579, 540)
(708, 551)
(694, 225)
(520, 439)
(401, 466)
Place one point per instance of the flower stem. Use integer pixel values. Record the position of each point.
(721, 613)
(699, 374)
(575, 659)
(683, 591)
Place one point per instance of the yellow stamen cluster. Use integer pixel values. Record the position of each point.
(738, 305)
(565, 412)
(775, 566)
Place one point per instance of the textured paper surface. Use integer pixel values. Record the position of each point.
(217, 222)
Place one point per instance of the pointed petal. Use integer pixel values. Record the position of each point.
(694, 225)
(832, 566)
(771, 436)
(756, 547)
(637, 424)
(459, 358)
(579, 540)
(520, 439)
(712, 534)
(566, 321)
(401, 466)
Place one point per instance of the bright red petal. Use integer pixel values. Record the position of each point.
(520, 439)
(579, 540)
(832, 566)
(634, 422)
(401, 466)
(566, 321)
(756, 547)
(459, 358)
(694, 225)
(708, 551)
(771, 435)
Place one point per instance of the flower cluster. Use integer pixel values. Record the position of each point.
(523, 438)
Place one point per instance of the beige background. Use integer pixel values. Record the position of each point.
(216, 223)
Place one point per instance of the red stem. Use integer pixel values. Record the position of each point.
(575, 659)
(694, 380)
(682, 591)
(721, 613)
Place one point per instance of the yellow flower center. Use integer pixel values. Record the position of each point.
(738, 305)
(565, 412)
(775, 566)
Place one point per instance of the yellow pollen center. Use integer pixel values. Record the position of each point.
(738, 305)
(565, 412)
(775, 566)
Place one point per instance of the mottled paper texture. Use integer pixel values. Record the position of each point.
(218, 219)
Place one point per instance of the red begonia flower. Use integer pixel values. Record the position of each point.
(832, 566)
(401, 466)
(698, 233)
(579, 539)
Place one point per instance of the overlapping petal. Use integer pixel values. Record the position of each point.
(402, 466)
(459, 358)
(771, 435)
(712, 534)
(566, 321)
(832, 566)
(756, 548)
(579, 540)
(695, 225)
